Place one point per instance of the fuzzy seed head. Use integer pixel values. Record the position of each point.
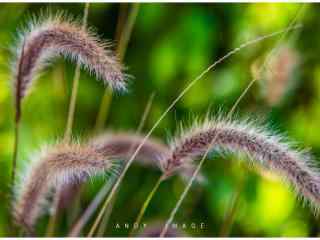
(123, 145)
(58, 166)
(152, 153)
(53, 37)
(262, 147)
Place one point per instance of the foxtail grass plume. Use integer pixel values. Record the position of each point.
(54, 36)
(278, 78)
(153, 152)
(121, 146)
(262, 147)
(66, 164)
(68, 194)
(57, 166)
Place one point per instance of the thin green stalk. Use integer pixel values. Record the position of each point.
(183, 195)
(121, 50)
(231, 212)
(268, 58)
(102, 228)
(68, 131)
(75, 85)
(186, 190)
(72, 105)
(103, 109)
(15, 152)
(147, 201)
(230, 215)
(105, 105)
(123, 40)
(109, 198)
(145, 114)
(14, 164)
(182, 93)
(77, 228)
(104, 222)
(127, 31)
(17, 120)
(122, 19)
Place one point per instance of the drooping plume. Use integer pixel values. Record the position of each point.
(57, 166)
(62, 165)
(55, 36)
(152, 153)
(122, 145)
(260, 146)
(278, 79)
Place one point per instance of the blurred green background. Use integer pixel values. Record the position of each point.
(171, 44)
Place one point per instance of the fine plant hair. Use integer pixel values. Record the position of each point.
(66, 164)
(59, 165)
(186, 189)
(280, 81)
(242, 137)
(45, 39)
(170, 107)
(48, 38)
(121, 145)
(261, 146)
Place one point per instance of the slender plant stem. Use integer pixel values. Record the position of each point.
(122, 19)
(145, 114)
(231, 212)
(75, 85)
(68, 131)
(72, 105)
(230, 216)
(17, 120)
(107, 96)
(183, 92)
(127, 31)
(15, 151)
(102, 115)
(14, 164)
(123, 41)
(104, 222)
(267, 60)
(17, 124)
(183, 195)
(186, 190)
(147, 201)
(76, 229)
(121, 50)
(103, 109)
